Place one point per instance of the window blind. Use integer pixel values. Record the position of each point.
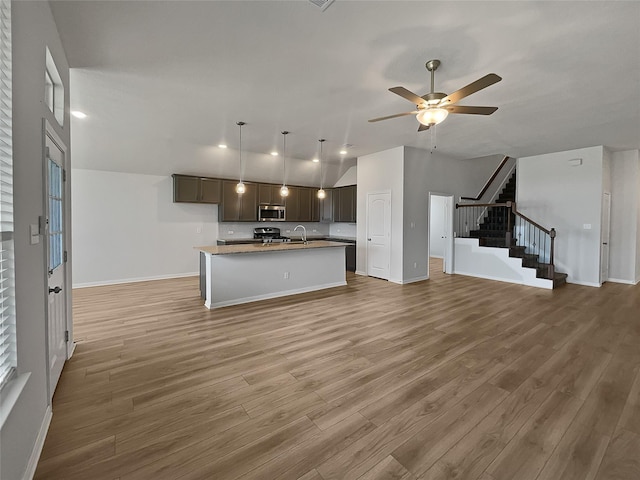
(7, 292)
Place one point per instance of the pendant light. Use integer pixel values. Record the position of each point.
(284, 190)
(240, 187)
(321, 193)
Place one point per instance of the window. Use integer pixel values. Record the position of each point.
(7, 305)
(53, 89)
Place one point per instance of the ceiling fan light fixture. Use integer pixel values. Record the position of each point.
(432, 116)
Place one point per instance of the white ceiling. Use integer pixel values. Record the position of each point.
(164, 82)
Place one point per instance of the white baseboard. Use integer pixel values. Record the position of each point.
(361, 272)
(584, 284)
(619, 280)
(412, 280)
(37, 448)
(267, 296)
(548, 284)
(134, 280)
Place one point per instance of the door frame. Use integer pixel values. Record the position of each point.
(448, 227)
(366, 230)
(49, 131)
(605, 243)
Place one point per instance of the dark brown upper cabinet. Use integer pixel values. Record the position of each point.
(344, 204)
(238, 208)
(196, 189)
(269, 194)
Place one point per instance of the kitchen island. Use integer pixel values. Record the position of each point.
(245, 273)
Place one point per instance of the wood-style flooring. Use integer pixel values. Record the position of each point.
(450, 378)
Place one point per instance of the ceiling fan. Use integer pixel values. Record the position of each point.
(434, 107)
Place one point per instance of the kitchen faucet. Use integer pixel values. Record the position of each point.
(304, 233)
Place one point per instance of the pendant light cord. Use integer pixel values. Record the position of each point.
(284, 158)
(321, 177)
(240, 124)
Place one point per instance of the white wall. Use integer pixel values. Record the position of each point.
(555, 194)
(436, 226)
(350, 177)
(415, 215)
(624, 259)
(410, 174)
(33, 29)
(377, 173)
(126, 228)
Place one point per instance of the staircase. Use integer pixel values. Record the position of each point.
(496, 229)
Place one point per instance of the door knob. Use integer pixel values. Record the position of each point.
(55, 290)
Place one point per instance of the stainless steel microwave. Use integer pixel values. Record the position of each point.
(271, 213)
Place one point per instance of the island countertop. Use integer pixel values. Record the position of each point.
(267, 247)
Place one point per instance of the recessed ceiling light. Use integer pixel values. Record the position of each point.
(78, 114)
(343, 152)
(275, 154)
(222, 145)
(315, 160)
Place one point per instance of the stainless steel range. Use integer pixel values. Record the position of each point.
(269, 235)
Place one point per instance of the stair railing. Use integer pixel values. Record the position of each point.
(538, 242)
(500, 185)
(520, 231)
(472, 215)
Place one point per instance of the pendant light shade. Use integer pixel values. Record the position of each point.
(240, 187)
(321, 193)
(284, 190)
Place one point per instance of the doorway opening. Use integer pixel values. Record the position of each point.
(441, 231)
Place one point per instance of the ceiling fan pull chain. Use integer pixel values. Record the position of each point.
(433, 138)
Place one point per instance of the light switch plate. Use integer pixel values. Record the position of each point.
(586, 226)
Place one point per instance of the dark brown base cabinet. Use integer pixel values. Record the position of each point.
(350, 254)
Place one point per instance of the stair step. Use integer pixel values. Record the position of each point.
(517, 251)
(559, 279)
(487, 233)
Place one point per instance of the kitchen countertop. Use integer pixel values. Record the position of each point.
(266, 247)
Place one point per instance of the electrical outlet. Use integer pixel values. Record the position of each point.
(286, 275)
(315, 230)
(586, 226)
(413, 224)
(288, 231)
(198, 229)
(415, 264)
(229, 232)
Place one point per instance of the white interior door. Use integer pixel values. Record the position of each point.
(604, 247)
(378, 235)
(55, 259)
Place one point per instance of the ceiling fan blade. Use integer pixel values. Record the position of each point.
(392, 116)
(470, 110)
(404, 93)
(473, 87)
(422, 128)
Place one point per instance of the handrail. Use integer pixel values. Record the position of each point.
(489, 182)
(530, 221)
(461, 205)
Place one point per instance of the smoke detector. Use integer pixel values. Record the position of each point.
(323, 4)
